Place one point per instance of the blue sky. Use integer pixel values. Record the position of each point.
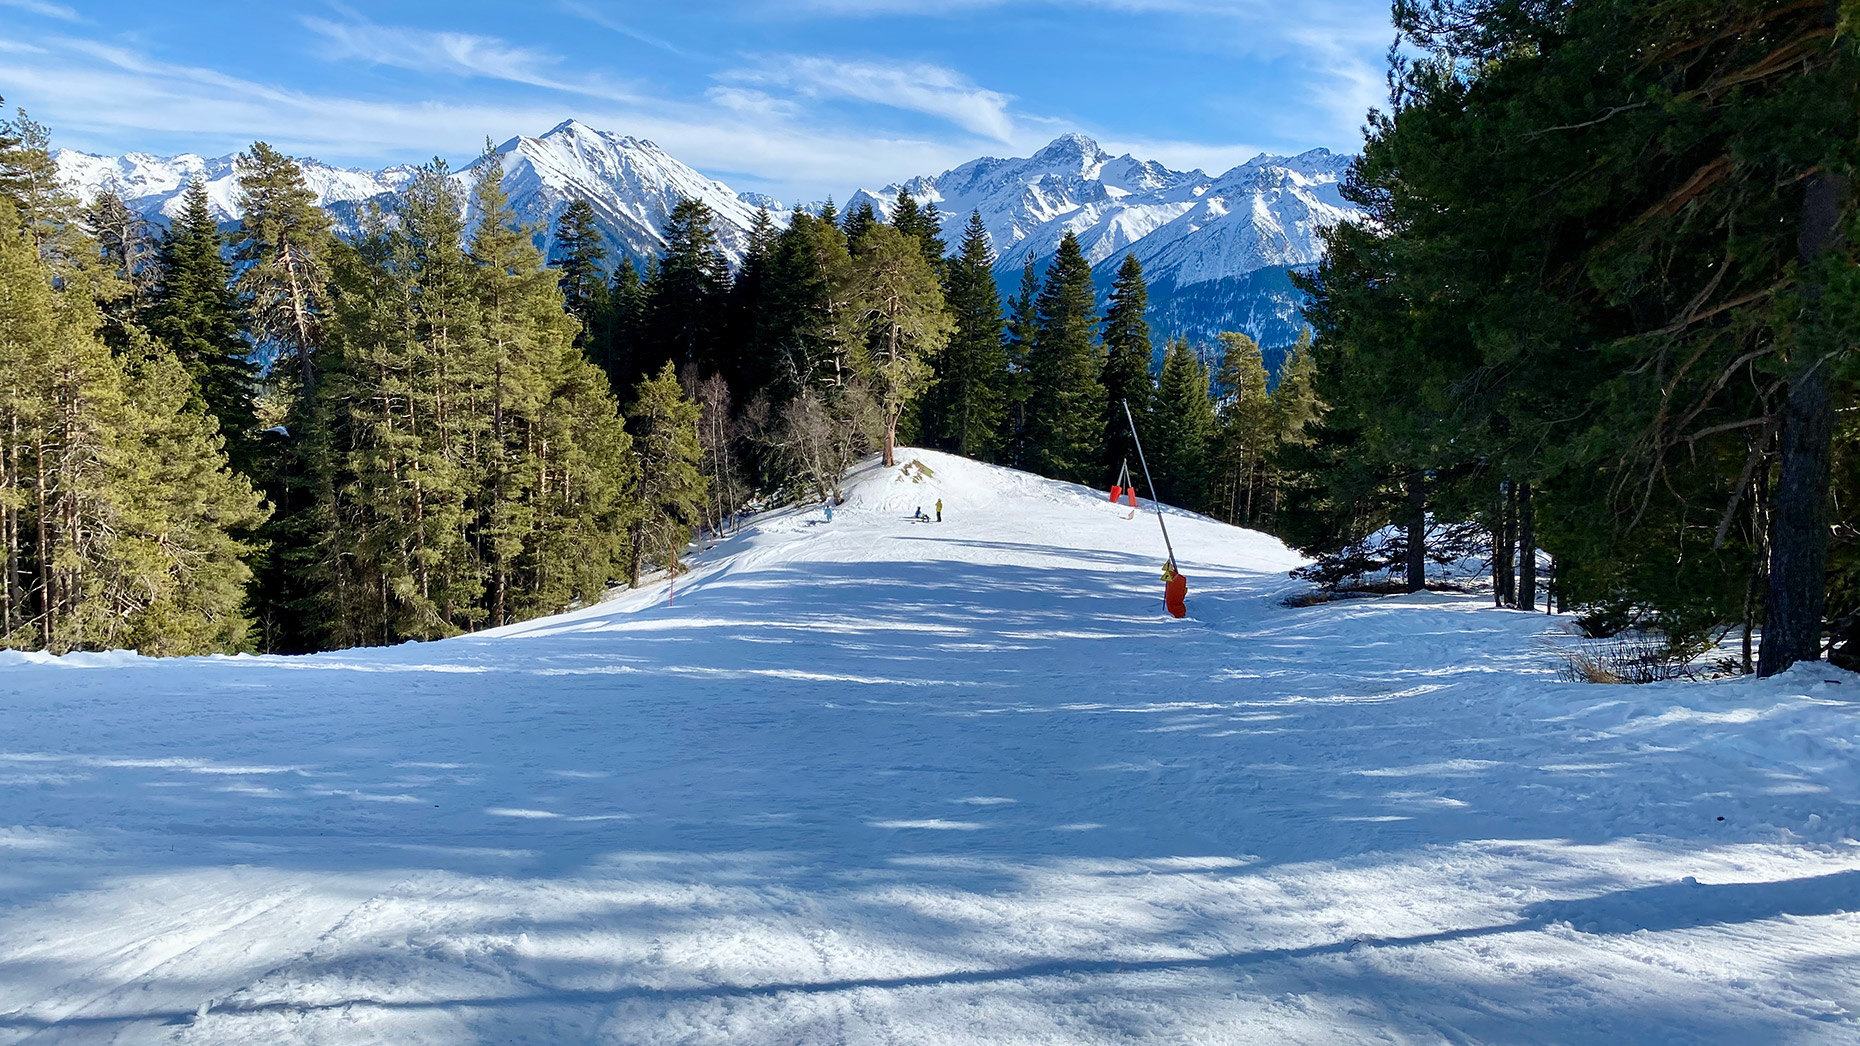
(797, 98)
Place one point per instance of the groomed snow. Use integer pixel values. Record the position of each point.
(875, 781)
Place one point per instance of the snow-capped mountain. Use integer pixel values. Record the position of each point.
(1216, 250)
(153, 184)
(631, 183)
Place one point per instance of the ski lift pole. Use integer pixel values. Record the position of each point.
(1141, 460)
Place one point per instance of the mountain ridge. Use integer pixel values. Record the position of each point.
(1215, 247)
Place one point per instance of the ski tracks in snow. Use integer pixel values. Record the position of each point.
(875, 782)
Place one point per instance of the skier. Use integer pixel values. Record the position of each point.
(1175, 590)
(939, 510)
(919, 516)
(828, 505)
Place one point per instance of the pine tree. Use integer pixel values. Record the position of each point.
(969, 396)
(280, 253)
(126, 273)
(184, 521)
(452, 366)
(520, 318)
(1182, 427)
(396, 424)
(583, 495)
(578, 256)
(669, 488)
(897, 321)
(116, 506)
(552, 468)
(1295, 397)
(1250, 428)
(195, 313)
(29, 179)
(1128, 353)
(1065, 413)
(281, 245)
(472, 466)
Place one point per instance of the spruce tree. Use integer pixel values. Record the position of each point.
(669, 486)
(746, 363)
(1182, 427)
(686, 295)
(971, 384)
(897, 320)
(621, 332)
(922, 225)
(1126, 376)
(579, 256)
(799, 320)
(1017, 386)
(195, 313)
(1065, 412)
(857, 221)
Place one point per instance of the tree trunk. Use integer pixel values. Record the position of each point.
(1417, 531)
(1527, 550)
(891, 438)
(1502, 543)
(637, 560)
(1799, 519)
(48, 593)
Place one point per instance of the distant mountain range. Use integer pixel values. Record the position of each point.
(1217, 250)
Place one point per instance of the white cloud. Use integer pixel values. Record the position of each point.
(105, 98)
(912, 86)
(1342, 42)
(44, 9)
(751, 102)
(460, 54)
(590, 13)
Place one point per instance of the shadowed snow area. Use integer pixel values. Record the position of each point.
(877, 781)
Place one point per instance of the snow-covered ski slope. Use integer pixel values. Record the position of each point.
(876, 781)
